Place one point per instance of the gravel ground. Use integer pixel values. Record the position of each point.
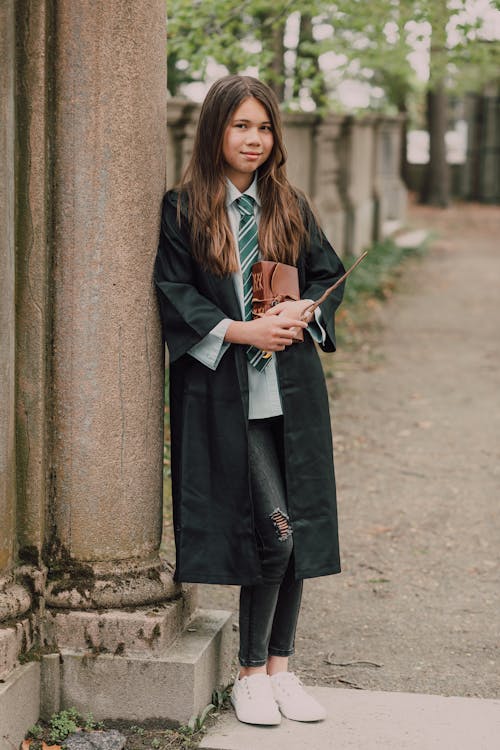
(416, 422)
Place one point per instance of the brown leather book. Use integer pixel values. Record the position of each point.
(272, 283)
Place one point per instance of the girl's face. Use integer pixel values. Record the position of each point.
(248, 142)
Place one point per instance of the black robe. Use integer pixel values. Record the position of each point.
(212, 503)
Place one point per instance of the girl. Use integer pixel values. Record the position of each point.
(252, 469)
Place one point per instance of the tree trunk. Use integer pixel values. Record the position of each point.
(307, 71)
(404, 166)
(274, 75)
(436, 187)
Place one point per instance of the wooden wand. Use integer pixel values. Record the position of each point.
(312, 307)
(330, 289)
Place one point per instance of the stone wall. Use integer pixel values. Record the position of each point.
(349, 167)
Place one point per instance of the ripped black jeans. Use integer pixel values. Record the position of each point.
(269, 611)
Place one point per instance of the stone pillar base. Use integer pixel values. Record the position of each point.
(15, 599)
(105, 585)
(15, 638)
(174, 684)
(146, 631)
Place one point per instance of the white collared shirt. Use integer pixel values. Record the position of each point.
(264, 395)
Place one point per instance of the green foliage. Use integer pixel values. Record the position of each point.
(90, 723)
(60, 726)
(138, 729)
(234, 34)
(376, 273)
(35, 731)
(371, 43)
(196, 723)
(374, 279)
(220, 697)
(63, 724)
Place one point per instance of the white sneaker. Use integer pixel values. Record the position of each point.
(292, 699)
(253, 700)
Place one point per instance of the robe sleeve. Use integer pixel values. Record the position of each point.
(187, 315)
(210, 350)
(316, 328)
(323, 267)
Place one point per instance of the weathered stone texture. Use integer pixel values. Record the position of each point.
(357, 148)
(7, 286)
(389, 190)
(110, 174)
(147, 631)
(298, 133)
(34, 129)
(110, 740)
(15, 638)
(19, 704)
(174, 686)
(327, 181)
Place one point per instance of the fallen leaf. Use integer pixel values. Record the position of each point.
(50, 747)
(25, 744)
(375, 530)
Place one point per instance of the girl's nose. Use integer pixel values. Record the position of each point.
(253, 136)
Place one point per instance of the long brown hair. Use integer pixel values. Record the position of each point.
(281, 228)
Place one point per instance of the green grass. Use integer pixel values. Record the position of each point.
(151, 735)
(60, 725)
(372, 282)
(377, 271)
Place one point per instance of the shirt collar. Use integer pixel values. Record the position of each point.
(232, 192)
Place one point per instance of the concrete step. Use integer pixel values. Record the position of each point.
(172, 685)
(412, 239)
(369, 720)
(19, 704)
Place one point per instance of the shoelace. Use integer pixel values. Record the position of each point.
(286, 683)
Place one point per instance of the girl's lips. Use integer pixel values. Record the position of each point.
(250, 155)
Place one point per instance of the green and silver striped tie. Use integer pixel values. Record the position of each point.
(248, 245)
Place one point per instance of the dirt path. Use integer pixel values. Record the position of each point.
(416, 420)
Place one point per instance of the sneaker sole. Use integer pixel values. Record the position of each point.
(272, 723)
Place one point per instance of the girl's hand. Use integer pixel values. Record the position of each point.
(271, 333)
(292, 309)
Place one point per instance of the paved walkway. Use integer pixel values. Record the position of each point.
(416, 421)
(372, 721)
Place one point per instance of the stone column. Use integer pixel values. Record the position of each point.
(15, 600)
(298, 133)
(7, 286)
(388, 188)
(358, 147)
(328, 180)
(33, 211)
(182, 121)
(107, 375)
(88, 173)
(109, 156)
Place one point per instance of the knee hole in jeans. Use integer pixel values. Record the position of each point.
(281, 523)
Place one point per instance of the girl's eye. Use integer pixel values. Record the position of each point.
(268, 128)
